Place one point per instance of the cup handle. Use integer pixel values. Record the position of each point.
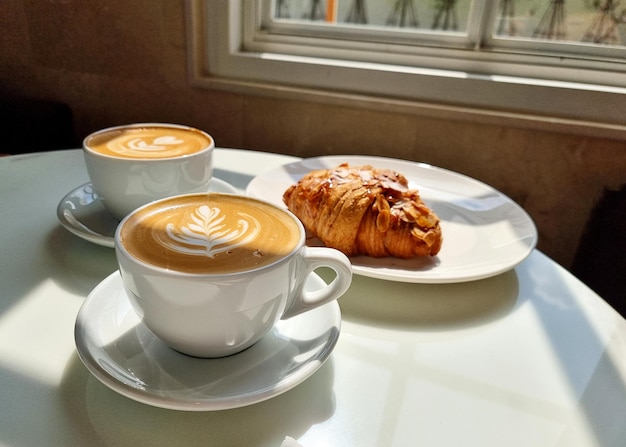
(315, 257)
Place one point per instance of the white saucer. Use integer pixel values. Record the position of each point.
(124, 355)
(82, 213)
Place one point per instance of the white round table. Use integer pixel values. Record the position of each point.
(531, 357)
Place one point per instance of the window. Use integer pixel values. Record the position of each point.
(536, 59)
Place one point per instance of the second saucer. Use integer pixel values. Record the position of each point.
(82, 213)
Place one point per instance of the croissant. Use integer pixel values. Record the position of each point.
(361, 210)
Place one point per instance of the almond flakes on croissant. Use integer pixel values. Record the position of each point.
(363, 210)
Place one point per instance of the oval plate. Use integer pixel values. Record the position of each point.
(485, 233)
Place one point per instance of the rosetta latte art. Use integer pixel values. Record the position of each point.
(210, 233)
(207, 234)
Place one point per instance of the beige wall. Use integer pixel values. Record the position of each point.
(122, 61)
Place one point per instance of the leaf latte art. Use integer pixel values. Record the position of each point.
(207, 235)
(210, 233)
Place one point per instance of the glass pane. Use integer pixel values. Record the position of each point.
(601, 22)
(433, 15)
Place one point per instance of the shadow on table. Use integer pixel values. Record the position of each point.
(236, 179)
(112, 419)
(75, 264)
(429, 306)
(588, 339)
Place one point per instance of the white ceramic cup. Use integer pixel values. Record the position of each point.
(135, 164)
(200, 272)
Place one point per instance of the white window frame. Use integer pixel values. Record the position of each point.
(229, 48)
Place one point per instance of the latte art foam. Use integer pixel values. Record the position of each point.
(148, 142)
(210, 233)
(205, 232)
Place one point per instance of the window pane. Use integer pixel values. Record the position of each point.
(564, 40)
(601, 22)
(434, 15)
(240, 44)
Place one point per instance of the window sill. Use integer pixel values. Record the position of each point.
(564, 107)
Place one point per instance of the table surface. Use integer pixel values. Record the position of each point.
(531, 357)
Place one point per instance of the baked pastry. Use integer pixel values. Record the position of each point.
(361, 210)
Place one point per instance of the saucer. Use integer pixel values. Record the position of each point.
(124, 355)
(82, 213)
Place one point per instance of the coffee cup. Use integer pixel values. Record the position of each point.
(135, 164)
(210, 274)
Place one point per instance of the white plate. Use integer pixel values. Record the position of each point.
(484, 232)
(82, 213)
(124, 355)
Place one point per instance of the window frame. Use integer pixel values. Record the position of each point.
(230, 49)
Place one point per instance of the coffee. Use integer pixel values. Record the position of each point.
(210, 233)
(211, 274)
(136, 164)
(148, 141)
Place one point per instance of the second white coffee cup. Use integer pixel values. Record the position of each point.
(211, 274)
(135, 164)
